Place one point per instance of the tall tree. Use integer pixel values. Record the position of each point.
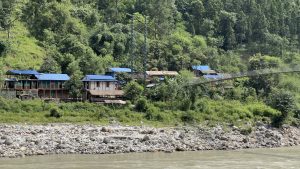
(7, 16)
(227, 23)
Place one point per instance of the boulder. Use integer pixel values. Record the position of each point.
(146, 138)
(106, 140)
(8, 141)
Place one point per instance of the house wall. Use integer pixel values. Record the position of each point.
(104, 86)
(54, 94)
(52, 89)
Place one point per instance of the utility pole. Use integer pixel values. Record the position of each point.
(145, 50)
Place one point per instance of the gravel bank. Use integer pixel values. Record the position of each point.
(28, 140)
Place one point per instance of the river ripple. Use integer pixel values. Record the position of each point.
(258, 158)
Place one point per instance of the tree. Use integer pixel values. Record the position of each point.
(263, 84)
(227, 23)
(283, 101)
(124, 78)
(74, 85)
(133, 91)
(163, 15)
(50, 66)
(7, 16)
(3, 48)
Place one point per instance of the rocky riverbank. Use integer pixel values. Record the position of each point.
(28, 140)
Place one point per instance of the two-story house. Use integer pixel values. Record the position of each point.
(52, 86)
(98, 88)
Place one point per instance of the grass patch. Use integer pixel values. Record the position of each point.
(206, 111)
(24, 51)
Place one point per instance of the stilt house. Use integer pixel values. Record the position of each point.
(98, 88)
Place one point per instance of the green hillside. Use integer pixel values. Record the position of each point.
(81, 37)
(24, 51)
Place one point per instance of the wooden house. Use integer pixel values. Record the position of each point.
(21, 83)
(32, 84)
(98, 88)
(154, 77)
(52, 86)
(116, 70)
(203, 70)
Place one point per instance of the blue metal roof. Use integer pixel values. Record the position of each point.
(201, 67)
(106, 78)
(53, 77)
(22, 72)
(120, 70)
(213, 76)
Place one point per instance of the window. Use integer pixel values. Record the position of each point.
(98, 84)
(60, 85)
(53, 94)
(107, 84)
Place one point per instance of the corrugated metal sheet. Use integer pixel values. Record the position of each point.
(22, 72)
(162, 73)
(201, 67)
(106, 78)
(53, 77)
(120, 70)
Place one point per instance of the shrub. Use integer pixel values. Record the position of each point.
(3, 104)
(2, 48)
(259, 109)
(133, 90)
(188, 117)
(185, 104)
(154, 114)
(55, 113)
(141, 105)
(246, 130)
(283, 101)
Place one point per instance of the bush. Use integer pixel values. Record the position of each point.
(142, 105)
(133, 91)
(283, 101)
(154, 114)
(3, 104)
(3, 48)
(246, 130)
(259, 109)
(185, 104)
(55, 113)
(188, 117)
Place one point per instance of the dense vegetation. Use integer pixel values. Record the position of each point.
(87, 36)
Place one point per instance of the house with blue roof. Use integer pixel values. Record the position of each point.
(22, 72)
(202, 70)
(52, 86)
(21, 83)
(98, 88)
(117, 70)
(32, 84)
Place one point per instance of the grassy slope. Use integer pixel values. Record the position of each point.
(25, 52)
(208, 112)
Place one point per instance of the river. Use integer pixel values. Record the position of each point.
(257, 158)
